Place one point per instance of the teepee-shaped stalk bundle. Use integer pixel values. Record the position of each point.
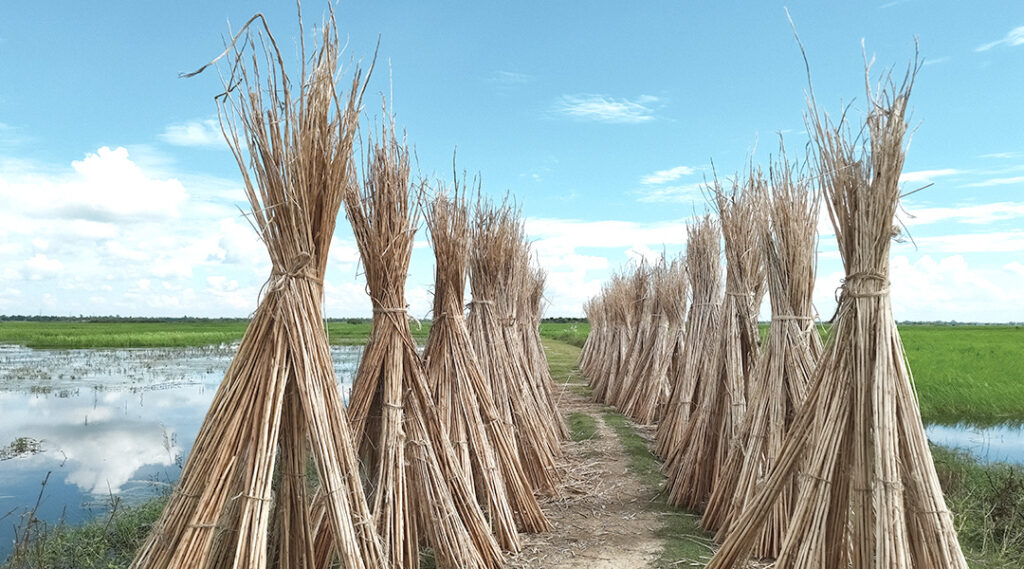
(608, 359)
(697, 365)
(648, 391)
(716, 420)
(496, 240)
(779, 383)
(531, 312)
(484, 444)
(638, 329)
(242, 500)
(596, 345)
(868, 496)
(418, 493)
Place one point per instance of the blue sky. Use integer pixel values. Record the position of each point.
(602, 118)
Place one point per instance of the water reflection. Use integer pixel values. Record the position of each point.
(1002, 443)
(109, 423)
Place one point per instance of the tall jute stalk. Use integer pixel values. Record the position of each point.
(616, 302)
(717, 418)
(595, 345)
(638, 329)
(647, 393)
(484, 444)
(868, 493)
(417, 490)
(703, 264)
(780, 380)
(531, 313)
(496, 238)
(646, 332)
(242, 499)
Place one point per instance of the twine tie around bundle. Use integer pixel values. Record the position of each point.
(299, 267)
(858, 277)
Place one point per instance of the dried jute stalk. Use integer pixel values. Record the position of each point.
(484, 444)
(696, 367)
(242, 500)
(418, 491)
(868, 495)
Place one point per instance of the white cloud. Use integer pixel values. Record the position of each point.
(996, 182)
(575, 274)
(602, 108)
(972, 214)
(194, 133)
(683, 193)
(40, 267)
(103, 187)
(1013, 38)
(670, 175)
(993, 242)
(926, 176)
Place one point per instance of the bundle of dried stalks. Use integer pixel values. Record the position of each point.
(594, 348)
(417, 490)
(649, 391)
(531, 312)
(484, 444)
(497, 238)
(643, 305)
(868, 495)
(242, 500)
(716, 419)
(617, 339)
(780, 380)
(696, 367)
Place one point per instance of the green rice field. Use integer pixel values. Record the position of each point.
(964, 374)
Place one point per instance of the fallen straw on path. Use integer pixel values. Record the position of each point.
(279, 398)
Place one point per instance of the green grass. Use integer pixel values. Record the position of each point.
(573, 333)
(104, 543)
(582, 427)
(685, 542)
(153, 333)
(987, 502)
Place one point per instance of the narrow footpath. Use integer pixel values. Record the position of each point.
(610, 512)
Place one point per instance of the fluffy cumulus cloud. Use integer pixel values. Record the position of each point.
(579, 255)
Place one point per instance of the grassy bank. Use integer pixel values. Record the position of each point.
(157, 333)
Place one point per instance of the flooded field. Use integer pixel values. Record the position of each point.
(104, 423)
(1001, 443)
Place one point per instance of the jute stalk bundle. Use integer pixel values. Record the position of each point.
(484, 444)
(417, 490)
(716, 419)
(632, 297)
(703, 268)
(617, 311)
(780, 380)
(868, 494)
(650, 391)
(242, 497)
(645, 333)
(531, 314)
(496, 240)
(596, 344)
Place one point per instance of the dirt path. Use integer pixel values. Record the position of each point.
(601, 519)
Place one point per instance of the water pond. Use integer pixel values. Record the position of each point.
(104, 423)
(1001, 443)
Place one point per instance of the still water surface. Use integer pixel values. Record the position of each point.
(108, 422)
